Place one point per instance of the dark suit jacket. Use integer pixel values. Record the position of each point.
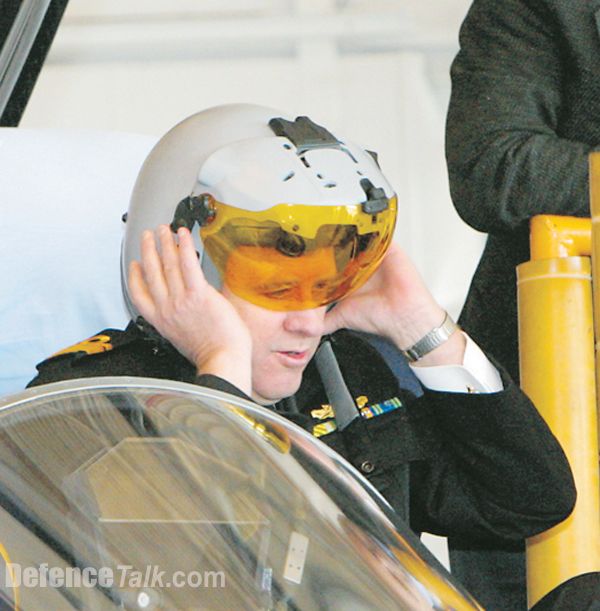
(523, 116)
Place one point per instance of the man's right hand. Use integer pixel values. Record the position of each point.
(170, 291)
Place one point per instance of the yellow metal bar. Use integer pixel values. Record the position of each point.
(556, 348)
(594, 160)
(560, 236)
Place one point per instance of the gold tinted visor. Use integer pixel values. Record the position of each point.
(296, 256)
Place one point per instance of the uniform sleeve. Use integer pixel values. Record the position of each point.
(506, 159)
(497, 470)
(217, 383)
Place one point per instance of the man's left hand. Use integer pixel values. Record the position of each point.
(395, 303)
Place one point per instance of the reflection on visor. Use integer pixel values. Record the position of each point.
(265, 263)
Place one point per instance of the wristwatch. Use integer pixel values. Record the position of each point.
(436, 337)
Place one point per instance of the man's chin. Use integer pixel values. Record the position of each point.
(272, 394)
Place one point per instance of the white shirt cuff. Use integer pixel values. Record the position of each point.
(475, 375)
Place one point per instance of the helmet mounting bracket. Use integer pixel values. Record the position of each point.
(193, 209)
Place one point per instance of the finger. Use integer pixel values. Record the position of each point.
(171, 265)
(193, 277)
(139, 293)
(152, 268)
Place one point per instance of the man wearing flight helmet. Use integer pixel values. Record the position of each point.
(293, 221)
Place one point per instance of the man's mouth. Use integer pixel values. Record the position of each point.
(294, 356)
(295, 353)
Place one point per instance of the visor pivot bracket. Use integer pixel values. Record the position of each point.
(193, 209)
(376, 201)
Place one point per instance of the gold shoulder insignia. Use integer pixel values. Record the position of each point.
(92, 345)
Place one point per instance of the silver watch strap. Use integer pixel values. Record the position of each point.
(436, 337)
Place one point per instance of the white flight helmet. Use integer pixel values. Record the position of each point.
(290, 217)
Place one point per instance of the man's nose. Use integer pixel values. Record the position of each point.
(306, 322)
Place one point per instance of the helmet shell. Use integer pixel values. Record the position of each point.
(231, 153)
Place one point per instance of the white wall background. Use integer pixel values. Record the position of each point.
(375, 70)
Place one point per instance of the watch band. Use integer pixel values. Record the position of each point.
(436, 337)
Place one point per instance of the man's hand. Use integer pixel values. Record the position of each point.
(172, 294)
(396, 304)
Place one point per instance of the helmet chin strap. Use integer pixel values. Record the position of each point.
(336, 389)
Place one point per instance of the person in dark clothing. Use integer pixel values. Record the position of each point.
(293, 221)
(523, 117)
(524, 114)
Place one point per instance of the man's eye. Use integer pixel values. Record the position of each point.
(279, 292)
(324, 289)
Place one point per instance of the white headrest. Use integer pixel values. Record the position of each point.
(63, 194)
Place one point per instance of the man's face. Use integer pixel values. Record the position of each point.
(282, 345)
